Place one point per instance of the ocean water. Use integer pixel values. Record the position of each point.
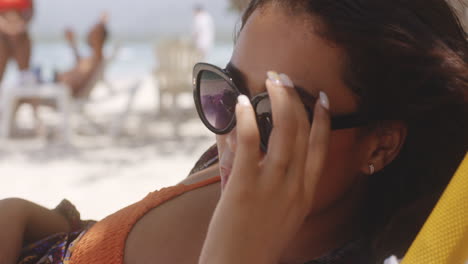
(134, 59)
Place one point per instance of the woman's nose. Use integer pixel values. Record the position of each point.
(231, 140)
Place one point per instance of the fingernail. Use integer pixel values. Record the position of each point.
(286, 80)
(323, 98)
(274, 78)
(243, 100)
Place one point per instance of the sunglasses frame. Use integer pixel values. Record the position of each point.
(337, 122)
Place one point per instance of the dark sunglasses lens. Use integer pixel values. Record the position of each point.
(218, 100)
(264, 121)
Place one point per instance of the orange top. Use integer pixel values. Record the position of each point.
(15, 4)
(104, 243)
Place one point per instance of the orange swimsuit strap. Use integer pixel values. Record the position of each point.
(104, 243)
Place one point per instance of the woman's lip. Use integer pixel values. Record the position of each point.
(225, 172)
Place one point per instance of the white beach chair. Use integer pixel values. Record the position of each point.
(174, 77)
(57, 94)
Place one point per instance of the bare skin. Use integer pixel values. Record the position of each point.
(85, 68)
(154, 238)
(15, 42)
(32, 223)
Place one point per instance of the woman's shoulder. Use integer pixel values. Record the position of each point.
(178, 225)
(166, 222)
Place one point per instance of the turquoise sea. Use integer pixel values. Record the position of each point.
(135, 59)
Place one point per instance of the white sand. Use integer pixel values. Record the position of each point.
(98, 173)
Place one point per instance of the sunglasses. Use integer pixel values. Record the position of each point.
(215, 94)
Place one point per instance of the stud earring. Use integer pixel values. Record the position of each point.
(371, 169)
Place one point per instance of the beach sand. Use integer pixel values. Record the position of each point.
(95, 171)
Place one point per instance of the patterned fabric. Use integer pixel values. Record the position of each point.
(57, 248)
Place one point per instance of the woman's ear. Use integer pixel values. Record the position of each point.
(386, 141)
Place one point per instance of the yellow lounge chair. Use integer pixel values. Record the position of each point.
(444, 236)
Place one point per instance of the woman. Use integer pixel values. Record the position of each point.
(15, 42)
(399, 64)
(385, 83)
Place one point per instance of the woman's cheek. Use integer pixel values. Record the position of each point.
(341, 171)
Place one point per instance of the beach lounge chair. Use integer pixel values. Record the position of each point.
(444, 237)
(56, 94)
(173, 76)
(116, 127)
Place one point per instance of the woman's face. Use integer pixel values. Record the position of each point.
(274, 40)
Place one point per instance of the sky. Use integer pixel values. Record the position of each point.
(129, 18)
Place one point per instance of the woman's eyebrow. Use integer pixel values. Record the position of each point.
(239, 80)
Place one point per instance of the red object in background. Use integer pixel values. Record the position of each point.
(6, 5)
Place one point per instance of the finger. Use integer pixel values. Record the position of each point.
(281, 143)
(296, 166)
(248, 151)
(318, 143)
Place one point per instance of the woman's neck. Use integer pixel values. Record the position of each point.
(327, 230)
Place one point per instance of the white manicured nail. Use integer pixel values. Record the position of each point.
(324, 101)
(243, 100)
(286, 80)
(274, 78)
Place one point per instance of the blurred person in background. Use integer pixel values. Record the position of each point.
(15, 42)
(83, 71)
(85, 68)
(203, 30)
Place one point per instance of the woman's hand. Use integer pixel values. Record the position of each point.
(268, 197)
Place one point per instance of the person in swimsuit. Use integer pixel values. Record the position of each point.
(392, 74)
(15, 42)
(85, 68)
(81, 73)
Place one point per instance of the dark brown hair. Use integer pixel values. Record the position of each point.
(406, 60)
